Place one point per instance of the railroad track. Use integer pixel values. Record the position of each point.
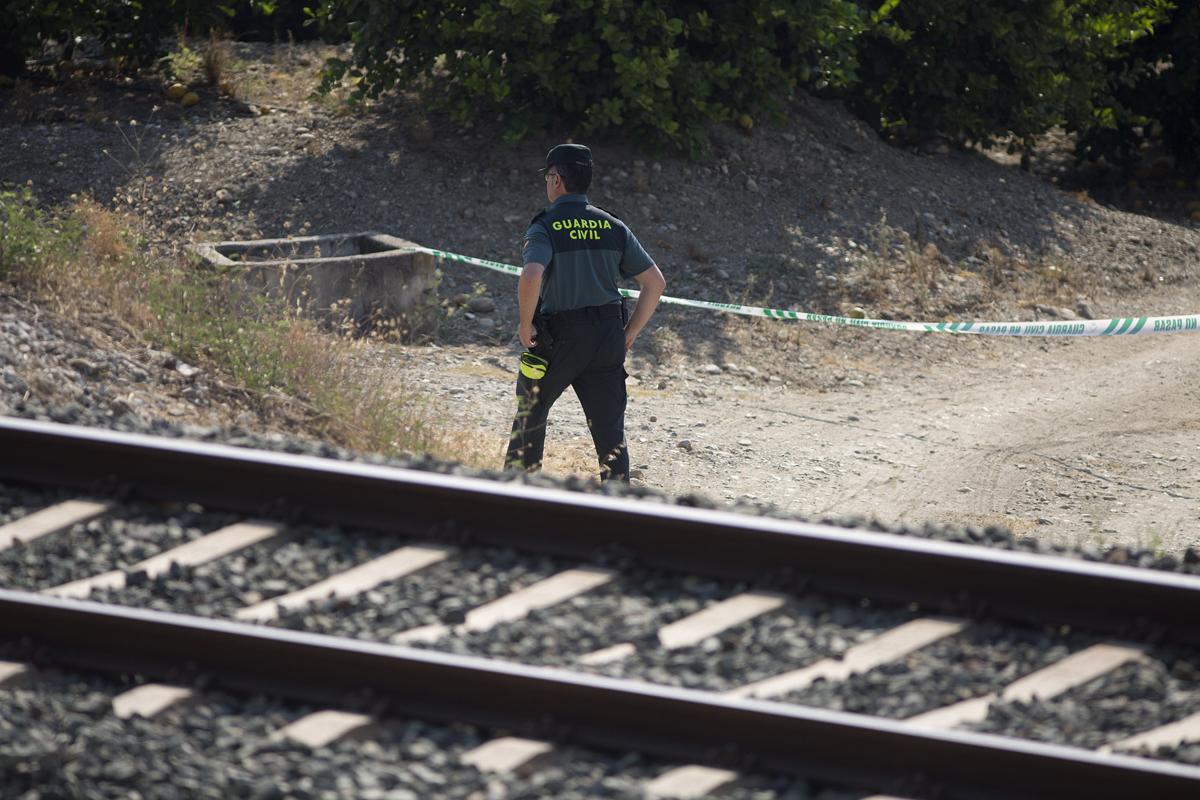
(717, 615)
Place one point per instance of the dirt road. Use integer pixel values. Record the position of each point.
(1088, 441)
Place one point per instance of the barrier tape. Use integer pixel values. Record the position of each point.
(1124, 326)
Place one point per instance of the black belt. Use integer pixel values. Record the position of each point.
(609, 311)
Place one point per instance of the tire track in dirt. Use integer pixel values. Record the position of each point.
(1099, 464)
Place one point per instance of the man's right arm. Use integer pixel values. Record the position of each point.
(528, 289)
(537, 253)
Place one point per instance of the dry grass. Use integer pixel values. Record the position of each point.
(287, 77)
(565, 460)
(291, 374)
(214, 58)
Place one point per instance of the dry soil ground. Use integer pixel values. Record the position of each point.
(1079, 441)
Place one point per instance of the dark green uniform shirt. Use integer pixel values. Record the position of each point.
(586, 252)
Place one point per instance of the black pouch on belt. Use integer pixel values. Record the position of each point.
(541, 330)
(541, 327)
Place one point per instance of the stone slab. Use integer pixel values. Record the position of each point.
(693, 780)
(50, 520)
(354, 581)
(1045, 684)
(516, 605)
(887, 646)
(14, 673)
(722, 616)
(322, 728)
(217, 544)
(951, 716)
(149, 700)
(506, 755)
(1170, 735)
(1074, 670)
(608, 655)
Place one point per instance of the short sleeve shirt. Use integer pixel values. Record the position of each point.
(587, 252)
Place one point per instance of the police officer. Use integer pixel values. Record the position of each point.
(572, 314)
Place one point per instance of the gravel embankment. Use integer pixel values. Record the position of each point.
(60, 738)
(630, 609)
(442, 592)
(97, 380)
(1137, 697)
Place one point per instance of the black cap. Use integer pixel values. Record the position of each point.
(575, 154)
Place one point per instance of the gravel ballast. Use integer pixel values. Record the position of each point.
(441, 593)
(981, 659)
(1134, 698)
(117, 540)
(268, 569)
(791, 637)
(59, 738)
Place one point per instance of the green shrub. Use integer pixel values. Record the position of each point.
(660, 71)
(31, 240)
(1155, 83)
(980, 70)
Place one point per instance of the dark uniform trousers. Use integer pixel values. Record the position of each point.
(588, 353)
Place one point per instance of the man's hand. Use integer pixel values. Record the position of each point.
(528, 335)
(630, 338)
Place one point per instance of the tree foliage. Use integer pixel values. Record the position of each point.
(662, 70)
(276, 20)
(656, 70)
(979, 69)
(133, 29)
(973, 69)
(130, 28)
(1153, 87)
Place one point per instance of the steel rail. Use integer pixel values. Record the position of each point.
(942, 576)
(850, 749)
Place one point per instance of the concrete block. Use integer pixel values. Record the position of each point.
(335, 278)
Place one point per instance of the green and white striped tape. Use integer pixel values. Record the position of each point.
(1126, 326)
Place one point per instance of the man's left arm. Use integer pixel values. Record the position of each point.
(653, 283)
